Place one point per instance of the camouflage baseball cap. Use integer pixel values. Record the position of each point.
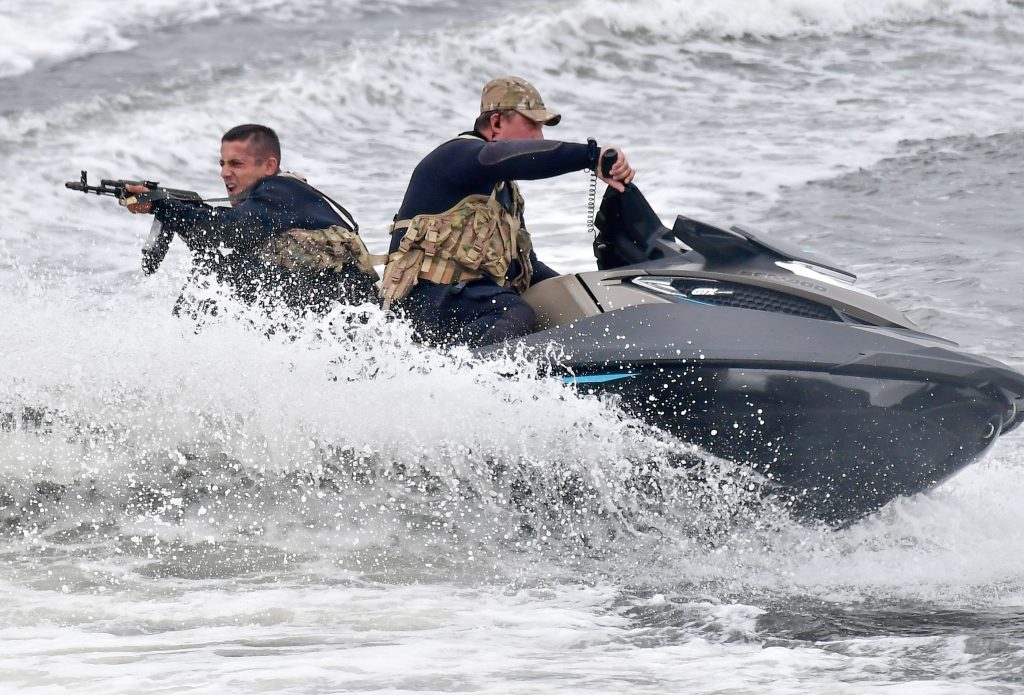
(516, 94)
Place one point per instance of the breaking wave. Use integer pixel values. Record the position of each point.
(770, 18)
(32, 37)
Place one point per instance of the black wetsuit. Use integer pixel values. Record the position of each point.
(225, 241)
(479, 312)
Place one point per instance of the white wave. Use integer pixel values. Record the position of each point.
(33, 35)
(52, 31)
(768, 18)
(954, 545)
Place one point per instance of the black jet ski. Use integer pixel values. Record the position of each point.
(771, 357)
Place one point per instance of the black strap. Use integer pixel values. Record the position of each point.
(593, 154)
(338, 207)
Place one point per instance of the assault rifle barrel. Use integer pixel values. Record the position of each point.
(116, 189)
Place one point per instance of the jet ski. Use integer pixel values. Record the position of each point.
(770, 357)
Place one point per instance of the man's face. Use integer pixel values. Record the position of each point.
(241, 168)
(516, 126)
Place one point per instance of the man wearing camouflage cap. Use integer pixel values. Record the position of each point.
(460, 253)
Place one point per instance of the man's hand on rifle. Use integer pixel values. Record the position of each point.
(138, 208)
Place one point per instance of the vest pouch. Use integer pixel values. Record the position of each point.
(317, 250)
(472, 238)
(476, 237)
(401, 275)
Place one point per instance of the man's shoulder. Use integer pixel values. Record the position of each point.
(452, 151)
(464, 141)
(282, 182)
(281, 186)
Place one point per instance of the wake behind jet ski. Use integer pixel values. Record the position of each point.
(772, 358)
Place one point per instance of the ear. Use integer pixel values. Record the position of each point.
(270, 166)
(495, 123)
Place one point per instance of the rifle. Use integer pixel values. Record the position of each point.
(159, 241)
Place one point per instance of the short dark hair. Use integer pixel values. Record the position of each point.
(484, 119)
(263, 139)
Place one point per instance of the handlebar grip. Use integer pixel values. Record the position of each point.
(608, 160)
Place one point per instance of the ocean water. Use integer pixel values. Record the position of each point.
(216, 511)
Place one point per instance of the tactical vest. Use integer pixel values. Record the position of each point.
(476, 237)
(314, 250)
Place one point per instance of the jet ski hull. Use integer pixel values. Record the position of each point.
(841, 418)
(835, 447)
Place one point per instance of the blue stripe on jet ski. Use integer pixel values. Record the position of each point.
(597, 378)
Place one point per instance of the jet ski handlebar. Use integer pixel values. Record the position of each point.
(608, 160)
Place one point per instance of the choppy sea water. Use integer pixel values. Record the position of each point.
(339, 510)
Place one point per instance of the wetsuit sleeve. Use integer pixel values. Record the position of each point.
(511, 160)
(242, 227)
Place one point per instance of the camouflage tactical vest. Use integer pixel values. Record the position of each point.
(313, 250)
(476, 237)
(316, 250)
